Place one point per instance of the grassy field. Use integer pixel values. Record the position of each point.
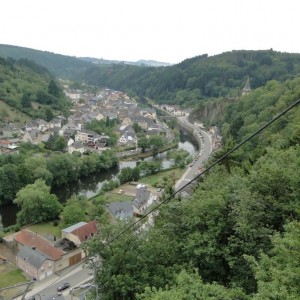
(11, 277)
(160, 178)
(112, 197)
(46, 228)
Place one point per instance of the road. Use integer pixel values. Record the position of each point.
(205, 152)
(47, 288)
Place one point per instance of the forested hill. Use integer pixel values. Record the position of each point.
(59, 65)
(29, 88)
(200, 77)
(238, 236)
(187, 83)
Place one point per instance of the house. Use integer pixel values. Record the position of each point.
(126, 121)
(34, 263)
(61, 255)
(80, 232)
(142, 122)
(148, 113)
(31, 125)
(6, 146)
(28, 238)
(128, 138)
(68, 133)
(76, 146)
(141, 198)
(86, 136)
(37, 256)
(97, 115)
(11, 130)
(32, 136)
(42, 125)
(107, 113)
(56, 122)
(121, 210)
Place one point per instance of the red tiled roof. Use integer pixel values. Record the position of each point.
(31, 239)
(85, 231)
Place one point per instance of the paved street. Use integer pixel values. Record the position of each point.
(47, 288)
(205, 151)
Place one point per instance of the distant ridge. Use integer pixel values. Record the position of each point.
(141, 62)
(58, 64)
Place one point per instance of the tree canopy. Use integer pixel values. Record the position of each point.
(37, 203)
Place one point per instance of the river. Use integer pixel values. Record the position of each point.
(91, 185)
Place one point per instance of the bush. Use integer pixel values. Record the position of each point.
(17, 227)
(55, 223)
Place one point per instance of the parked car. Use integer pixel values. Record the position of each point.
(63, 287)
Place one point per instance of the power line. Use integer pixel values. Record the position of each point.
(203, 172)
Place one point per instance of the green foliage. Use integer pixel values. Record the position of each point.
(190, 286)
(129, 174)
(278, 273)
(180, 156)
(143, 142)
(233, 228)
(37, 204)
(198, 78)
(110, 185)
(150, 167)
(24, 82)
(56, 142)
(74, 212)
(59, 65)
(18, 170)
(107, 127)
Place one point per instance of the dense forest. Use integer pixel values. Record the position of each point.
(238, 236)
(30, 88)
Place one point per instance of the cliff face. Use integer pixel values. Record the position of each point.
(211, 112)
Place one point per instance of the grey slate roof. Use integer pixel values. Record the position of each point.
(121, 210)
(34, 257)
(141, 196)
(74, 227)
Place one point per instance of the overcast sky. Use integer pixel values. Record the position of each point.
(162, 30)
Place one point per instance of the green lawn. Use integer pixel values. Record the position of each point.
(11, 278)
(111, 197)
(173, 174)
(46, 228)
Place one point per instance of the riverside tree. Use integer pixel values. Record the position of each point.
(37, 203)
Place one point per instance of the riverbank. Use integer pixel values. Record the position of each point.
(149, 153)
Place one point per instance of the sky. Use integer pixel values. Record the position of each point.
(162, 30)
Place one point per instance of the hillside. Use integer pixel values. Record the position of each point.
(59, 65)
(199, 78)
(238, 236)
(28, 89)
(188, 83)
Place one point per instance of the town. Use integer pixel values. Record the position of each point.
(42, 256)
